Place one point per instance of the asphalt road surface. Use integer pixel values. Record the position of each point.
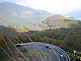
(54, 53)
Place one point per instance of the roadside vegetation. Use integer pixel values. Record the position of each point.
(35, 55)
(68, 39)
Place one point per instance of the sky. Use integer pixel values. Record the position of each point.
(53, 6)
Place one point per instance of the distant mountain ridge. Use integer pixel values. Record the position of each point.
(14, 14)
(75, 18)
(76, 15)
(56, 22)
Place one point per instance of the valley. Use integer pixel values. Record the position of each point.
(20, 24)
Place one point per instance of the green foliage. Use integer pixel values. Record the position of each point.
(75, 55)
(4, 58)
(35, 38)
(34, 55)
(23, 39)
(56, 37)
(7, 47)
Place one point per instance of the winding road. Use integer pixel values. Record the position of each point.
(54, 53)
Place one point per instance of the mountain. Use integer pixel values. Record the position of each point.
(76, 15)
(56, 22)
(75, 18)
(14, 14)
(38, 26)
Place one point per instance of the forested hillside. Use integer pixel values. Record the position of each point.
(15, 14)
(66, 35)
(55, 22)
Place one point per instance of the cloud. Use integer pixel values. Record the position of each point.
(14, 1)
(60, 6)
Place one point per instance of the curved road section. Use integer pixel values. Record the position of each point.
(54, 53)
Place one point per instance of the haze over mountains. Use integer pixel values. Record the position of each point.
(14, 14)
(76, 15)
(56, 22)
(27, 24)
